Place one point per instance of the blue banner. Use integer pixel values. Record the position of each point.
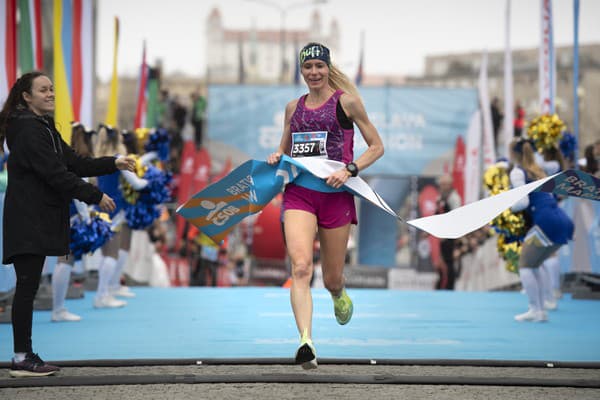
(419, 126)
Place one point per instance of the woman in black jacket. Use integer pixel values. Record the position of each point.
(43, 176)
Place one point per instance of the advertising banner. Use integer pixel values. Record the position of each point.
(419, 126)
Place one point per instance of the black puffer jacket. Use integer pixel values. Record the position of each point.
(43, 176)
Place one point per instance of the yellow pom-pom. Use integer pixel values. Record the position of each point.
(546, 131)
(508, 224)
(102, 215)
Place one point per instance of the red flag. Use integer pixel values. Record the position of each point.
(76, 67)
(39, 51)
(458, 168)
(184, 189)
(10, 51)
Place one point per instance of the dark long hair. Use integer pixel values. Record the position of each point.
(15, 100)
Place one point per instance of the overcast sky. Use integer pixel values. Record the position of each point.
(398, 33)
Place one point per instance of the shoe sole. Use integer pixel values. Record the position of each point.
(29, 374)
(124, 303)
(349, 317)
(312, 364)
(532, 320)
(306, 357)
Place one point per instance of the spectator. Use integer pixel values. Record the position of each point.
(198, 117)
(497, 117)
(448, 200)
(519, 121)
(589, 163)
(44, 174)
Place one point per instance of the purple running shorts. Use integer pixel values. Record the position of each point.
(331, 209)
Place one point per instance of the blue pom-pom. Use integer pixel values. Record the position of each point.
(158, 141)
(568, 144)
(158, 190)
(141, 215)
(145, 210)
(87, 238)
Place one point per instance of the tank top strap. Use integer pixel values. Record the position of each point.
(335, 97)
(301, 102)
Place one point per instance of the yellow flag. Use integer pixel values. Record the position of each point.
(113, 101)
(63, 114)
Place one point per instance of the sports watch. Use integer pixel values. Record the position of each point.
(352, 168)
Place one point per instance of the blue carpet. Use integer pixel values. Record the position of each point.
(202, 323)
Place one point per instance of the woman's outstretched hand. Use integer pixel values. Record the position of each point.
(125, 163)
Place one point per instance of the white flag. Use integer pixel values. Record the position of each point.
(547, 65)
(489, 152)
(509, 105)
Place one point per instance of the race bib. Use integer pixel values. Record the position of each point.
(309, 144)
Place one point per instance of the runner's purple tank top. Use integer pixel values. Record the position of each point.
(340, 141)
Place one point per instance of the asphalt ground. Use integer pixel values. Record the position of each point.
(291, 382)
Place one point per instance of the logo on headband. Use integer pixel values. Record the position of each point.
(315, 52)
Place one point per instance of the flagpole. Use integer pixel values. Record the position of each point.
(508, 87)
(576, 80)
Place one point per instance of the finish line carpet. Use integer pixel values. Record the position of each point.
(257, 323)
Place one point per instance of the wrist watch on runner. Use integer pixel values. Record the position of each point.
(352, 168)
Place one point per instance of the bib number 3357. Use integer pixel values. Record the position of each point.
(309, 144)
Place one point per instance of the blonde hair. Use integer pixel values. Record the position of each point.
(339, 80)
(526, 159)
(108, 145)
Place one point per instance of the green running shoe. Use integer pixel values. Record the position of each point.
(306, 355)
(343, 308)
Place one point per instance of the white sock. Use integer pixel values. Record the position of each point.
(60, 285)
(553, 266)
(78, 267)
(530, 282)
(19, 357)
(106, 269)
(545, 279)
(115, 280)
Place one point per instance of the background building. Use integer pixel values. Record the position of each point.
(462, 70)
(260, 56)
